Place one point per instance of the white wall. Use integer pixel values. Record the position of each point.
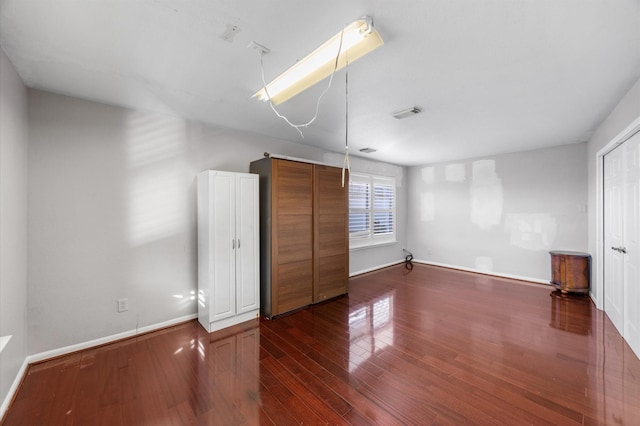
(627, 110)
(112, 214)
(500, 214)
(13, 226)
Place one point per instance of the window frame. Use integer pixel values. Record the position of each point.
(368, 238)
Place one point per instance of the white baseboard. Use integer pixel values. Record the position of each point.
(13, 388)
(460, 268)
(477, 271)
(364, 271)
(108, 339)
(42, 356)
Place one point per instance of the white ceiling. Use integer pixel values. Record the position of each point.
(492, 76)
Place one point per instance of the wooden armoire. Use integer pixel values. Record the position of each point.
(304, 234)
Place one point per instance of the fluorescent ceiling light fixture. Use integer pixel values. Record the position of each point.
(358, 39)
(367, 150)
(407, 112)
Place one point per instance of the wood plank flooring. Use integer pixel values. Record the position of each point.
(427, 346)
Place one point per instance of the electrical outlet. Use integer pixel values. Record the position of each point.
(123, 305)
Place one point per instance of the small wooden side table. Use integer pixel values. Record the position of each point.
(570, 271)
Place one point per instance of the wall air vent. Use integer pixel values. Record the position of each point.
(407, 112)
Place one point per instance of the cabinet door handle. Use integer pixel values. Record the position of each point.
(233, 244)
(238, 242)
(619, 249)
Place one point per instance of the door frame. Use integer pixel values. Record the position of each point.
(597, 289)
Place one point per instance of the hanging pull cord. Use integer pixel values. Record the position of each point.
(346, 164)
(298, 126)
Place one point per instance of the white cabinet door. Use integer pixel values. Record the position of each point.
(223, 239)
(247, 243)
(228, 249)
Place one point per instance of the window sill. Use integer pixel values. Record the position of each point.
(372, 245)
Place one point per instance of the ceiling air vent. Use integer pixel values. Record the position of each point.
(407, 112)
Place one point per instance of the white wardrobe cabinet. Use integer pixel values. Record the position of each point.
(228, 249)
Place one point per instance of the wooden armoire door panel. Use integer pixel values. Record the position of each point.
(294, 289)
(294, 241)
(331, 280)
(331, 235)
(292, 235)
(292, 187)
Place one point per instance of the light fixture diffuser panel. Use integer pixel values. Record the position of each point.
(358, 39)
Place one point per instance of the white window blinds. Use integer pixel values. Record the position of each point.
(371, 210)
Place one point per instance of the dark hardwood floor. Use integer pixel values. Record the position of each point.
(427, 346)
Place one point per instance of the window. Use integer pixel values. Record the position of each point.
(372, 210)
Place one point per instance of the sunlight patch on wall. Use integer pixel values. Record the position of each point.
(4, 340)
(486, 195)
(429, 175)
(454, 173)
(157, 200)
(531, 231)
(427, 207)
(181, 298)
(202, 298)
(155, 207)
(153, 138)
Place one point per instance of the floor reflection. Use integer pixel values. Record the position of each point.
(370, 329)
(570, 313)
(434, 346)
(229, 375)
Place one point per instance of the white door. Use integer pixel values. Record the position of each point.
(223, 294)
(247, 247)
(622, 239)
(632, 243)
(613, 238)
